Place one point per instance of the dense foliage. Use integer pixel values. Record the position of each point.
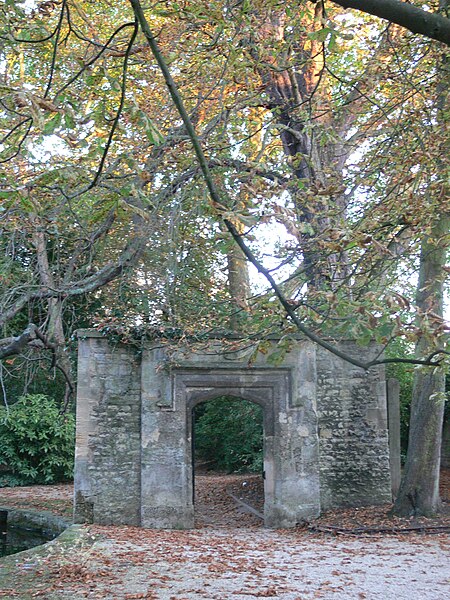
(36, 442)
(229, 435)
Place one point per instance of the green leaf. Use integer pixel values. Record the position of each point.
(51, 125)
(332, 44)
(37, 444)
(69, 121)
(320, 35)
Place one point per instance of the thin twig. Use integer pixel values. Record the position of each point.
(120, 108)
(359, 531)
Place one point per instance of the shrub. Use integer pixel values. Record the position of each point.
(36, 442)
(229, 435)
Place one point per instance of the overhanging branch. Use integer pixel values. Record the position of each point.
(14, 345)
(413, 18)
(108, 273)
(32, 335)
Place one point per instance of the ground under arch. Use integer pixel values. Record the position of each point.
(228, 459)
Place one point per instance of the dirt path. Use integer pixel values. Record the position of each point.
(215, 504)
(234, 558)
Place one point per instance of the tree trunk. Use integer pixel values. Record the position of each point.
(55, 328)
(419, 489)
(291, 81)
(239, 286)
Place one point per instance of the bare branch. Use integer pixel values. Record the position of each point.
(14, 345)
(55, 48)
(120, 108)
(93, 60)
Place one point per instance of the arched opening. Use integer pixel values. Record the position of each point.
(228, 462)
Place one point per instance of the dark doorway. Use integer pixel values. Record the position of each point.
(228, 459)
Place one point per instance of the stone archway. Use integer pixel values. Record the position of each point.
(269, 389)
(325, 430)
(166, 484)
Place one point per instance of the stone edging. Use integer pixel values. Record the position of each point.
(70, 538)
(44, 520)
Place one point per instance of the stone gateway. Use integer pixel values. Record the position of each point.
(325, 429)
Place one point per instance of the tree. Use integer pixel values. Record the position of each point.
(423, 501)
(419, 490)
(64, 236)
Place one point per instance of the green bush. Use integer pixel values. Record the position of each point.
(229, 435)
(36, 442)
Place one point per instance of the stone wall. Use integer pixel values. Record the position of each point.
(108, 442)
(354, 451)
(324, 424)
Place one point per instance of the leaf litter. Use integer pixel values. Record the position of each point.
(230, 555)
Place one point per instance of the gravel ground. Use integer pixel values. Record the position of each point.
(239, 564)
(229, 556)
(245, 564)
